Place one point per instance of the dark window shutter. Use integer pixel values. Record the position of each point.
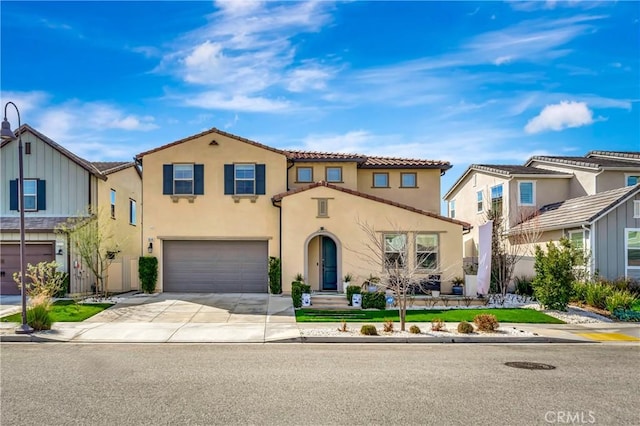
(228, 179)
(260, 179)
(42, 195)
(167, 179)
(13, 194)
(198, 179)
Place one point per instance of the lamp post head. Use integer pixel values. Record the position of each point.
(7, 134)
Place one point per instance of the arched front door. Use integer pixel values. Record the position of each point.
(329, 264)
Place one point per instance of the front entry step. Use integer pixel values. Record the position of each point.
(336, 301)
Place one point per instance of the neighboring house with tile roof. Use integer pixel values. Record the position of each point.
(520, 190)
(218, 205)
(609, 219)
(60, 185)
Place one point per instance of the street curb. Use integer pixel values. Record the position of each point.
(458, 339)
(22, 338)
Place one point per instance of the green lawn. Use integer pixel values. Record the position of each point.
(529, 316)
(66, 311)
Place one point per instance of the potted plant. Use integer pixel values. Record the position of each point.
(346, 282)
(371, 283)
(458, 283)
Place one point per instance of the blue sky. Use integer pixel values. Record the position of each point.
(467, 82)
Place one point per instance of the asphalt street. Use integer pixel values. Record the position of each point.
(454, 384)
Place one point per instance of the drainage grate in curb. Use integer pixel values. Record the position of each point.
(530, 365)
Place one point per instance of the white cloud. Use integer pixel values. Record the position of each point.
(26, 102)
(560, 116)
(218, 100)
(312, 77)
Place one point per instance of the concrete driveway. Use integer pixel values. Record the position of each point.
(199, 308)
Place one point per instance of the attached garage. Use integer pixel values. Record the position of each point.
(10, 262)
(215, 266)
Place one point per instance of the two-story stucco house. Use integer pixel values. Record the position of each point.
(217, 205)
(60, 185)
(560, 184)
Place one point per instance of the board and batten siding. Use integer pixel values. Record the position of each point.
(67, 183)
(610, 252)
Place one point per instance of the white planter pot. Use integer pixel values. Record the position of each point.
(345, 285)
(470, 285)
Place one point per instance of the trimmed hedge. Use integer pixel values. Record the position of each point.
(148, 273)
(374, 300)
(297, 288)
(626, 315)
(351, 290)
(275, 285)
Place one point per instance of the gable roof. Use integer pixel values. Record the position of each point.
(279, 197)
(108, 167)
(212, 142)
(577, 211)
(633, 155)
(508, 171)
(593, 163)
(367, 161)
(88, 166)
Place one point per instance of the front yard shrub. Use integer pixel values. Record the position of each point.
(148, 273)
(388, 326)
(38, 315)
(351, 290)
(597, 293)
(627, 315)
(43, 279)
(579, 291)
(552, 285)
(523, 285)
(437, 325)
(275, 273)
(369, 330)
(414, 329)
(486, 322)
(465, 328)
(297, 289)
(621, 299)
(373, 300)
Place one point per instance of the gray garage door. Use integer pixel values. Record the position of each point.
(10, 262)
(215, 266)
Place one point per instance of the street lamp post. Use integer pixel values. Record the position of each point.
(7, 134)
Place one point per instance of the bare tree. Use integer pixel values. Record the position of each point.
(93, 240)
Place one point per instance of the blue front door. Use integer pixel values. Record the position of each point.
(329, 273)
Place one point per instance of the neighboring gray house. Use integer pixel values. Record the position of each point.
(58, 185)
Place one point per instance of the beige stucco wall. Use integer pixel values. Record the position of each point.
(349, 173)
(426, 196)
(614, 179)
(345, 211)
(212, 215)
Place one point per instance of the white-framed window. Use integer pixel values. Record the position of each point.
(632, 249)
(381, 180)
(245, 179)
(636, 209)
(452, 209)
(395, 250)
(334, 174)
(632, 180)
(577, 239)
(496, 198)
(113, 204)
(304, 174)
(526, 193)
(132, 211)
(427, 251)
(30, 195)
(408, 180)
(479, 202)
(183, 179)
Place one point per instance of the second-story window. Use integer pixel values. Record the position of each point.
(183, 179)
(496, 198)
(30, 194)
(245, 179)
(408, 180)
(452, 209)
(381, 180)
(132, 211)
(526, 193)
(480, 205)
(304, 174)
(334, 174)
(113, 204)
(633, 180)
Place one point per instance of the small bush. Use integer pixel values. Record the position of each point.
(351, 290)
(579, 292)
(437, 325)
(388, 326)
(148, 273)
(523, 286)
(343, 326)
(486, 322)
(374, 300)
(626, 315)
(414, 329)
(297, 289)
(597, 293)
(552, 285)
(275, 273)
(621, 299)
(465, 328)
(38, 316)
(369, 330)
(43, 279)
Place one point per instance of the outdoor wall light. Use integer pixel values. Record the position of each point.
(150, 247)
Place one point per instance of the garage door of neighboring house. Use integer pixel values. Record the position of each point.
(215, 266)
(10, 262)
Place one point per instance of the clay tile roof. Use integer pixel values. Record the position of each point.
(108, 167)
(368, 162)
(280, 196)
(316, 155)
